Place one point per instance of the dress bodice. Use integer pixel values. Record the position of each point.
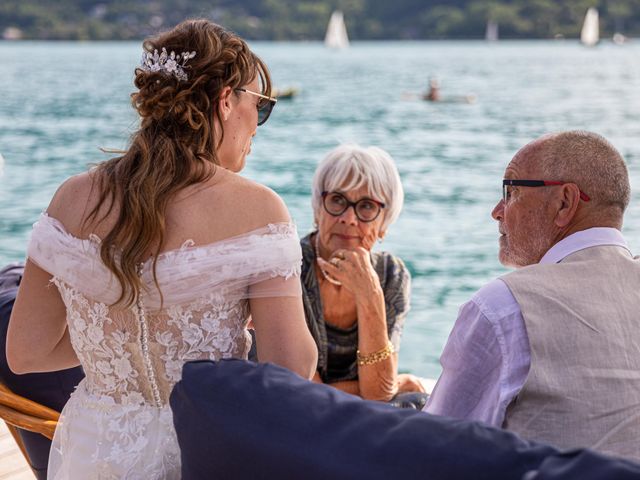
(134, 355)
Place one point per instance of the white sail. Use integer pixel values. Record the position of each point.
(491, 33)
(336, 36)
(590, 34)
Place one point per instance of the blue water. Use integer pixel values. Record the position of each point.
(59, 102)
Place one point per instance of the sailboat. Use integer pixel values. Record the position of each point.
(336, 36)
(491, 33)
(590, 34)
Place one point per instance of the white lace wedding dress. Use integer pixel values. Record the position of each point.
(118, 423)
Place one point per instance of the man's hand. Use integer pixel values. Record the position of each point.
(409, 383)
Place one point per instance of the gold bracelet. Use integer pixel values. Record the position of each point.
(375, 357)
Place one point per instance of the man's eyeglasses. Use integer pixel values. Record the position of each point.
(506, 191)
(366, 209)
(265, 105)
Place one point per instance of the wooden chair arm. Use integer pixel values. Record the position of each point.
(28, 422)
(26, 406)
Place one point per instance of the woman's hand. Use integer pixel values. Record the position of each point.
(409, 383)
(353, 269)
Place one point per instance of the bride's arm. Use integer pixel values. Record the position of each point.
(282, 335)
(38, 337)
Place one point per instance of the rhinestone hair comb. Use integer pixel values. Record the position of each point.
(169, 63)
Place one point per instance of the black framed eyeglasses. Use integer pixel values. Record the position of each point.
(506, 193)
(265, 105)
(366, 209)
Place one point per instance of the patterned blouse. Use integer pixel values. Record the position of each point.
(336, 346)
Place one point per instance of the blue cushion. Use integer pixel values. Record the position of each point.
(585, 465)
(240, 419)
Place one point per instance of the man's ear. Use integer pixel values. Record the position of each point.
(224, 103)
(568, 201)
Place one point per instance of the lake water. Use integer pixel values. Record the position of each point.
(59, 102)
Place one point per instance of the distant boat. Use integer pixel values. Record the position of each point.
(590, 34)
(619, 38)
(284, 93)
(336, 36)
(12, 33)
(491, 33)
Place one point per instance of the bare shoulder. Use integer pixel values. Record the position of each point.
(228, 206)
(260, 204)
(71, 201)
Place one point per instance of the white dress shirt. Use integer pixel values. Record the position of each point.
(486, 360)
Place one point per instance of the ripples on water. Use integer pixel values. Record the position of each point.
(60, 101)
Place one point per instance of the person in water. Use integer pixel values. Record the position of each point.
(433, 95)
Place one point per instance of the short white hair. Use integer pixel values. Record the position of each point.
(349, 167)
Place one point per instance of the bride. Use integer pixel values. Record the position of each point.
(161, 256)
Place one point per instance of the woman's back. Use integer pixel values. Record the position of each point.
(132, 356)
(159, 256)
(219, 247)
(224, 206)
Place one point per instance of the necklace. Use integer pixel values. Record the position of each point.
(316, 250)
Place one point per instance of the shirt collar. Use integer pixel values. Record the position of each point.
(592, 237)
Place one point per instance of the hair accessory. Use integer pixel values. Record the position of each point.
(169, 63)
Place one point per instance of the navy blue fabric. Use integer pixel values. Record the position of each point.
(585, 465)
(239, 419)
(50, 389)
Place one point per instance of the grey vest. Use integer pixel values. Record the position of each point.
(582, 317)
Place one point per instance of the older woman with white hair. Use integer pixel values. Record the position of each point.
(356, 300)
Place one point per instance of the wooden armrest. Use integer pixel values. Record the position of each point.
(28, 422)
(26, 406)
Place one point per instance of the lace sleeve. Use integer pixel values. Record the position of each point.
(74, 261)
(276, 287)
(262, 263)
(283, 279)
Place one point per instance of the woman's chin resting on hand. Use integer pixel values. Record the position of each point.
(356, 300)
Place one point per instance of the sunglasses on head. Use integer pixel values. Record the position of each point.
(265, 105)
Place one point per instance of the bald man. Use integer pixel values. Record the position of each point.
(551, 351)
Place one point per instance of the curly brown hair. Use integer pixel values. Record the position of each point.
(174, 146)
